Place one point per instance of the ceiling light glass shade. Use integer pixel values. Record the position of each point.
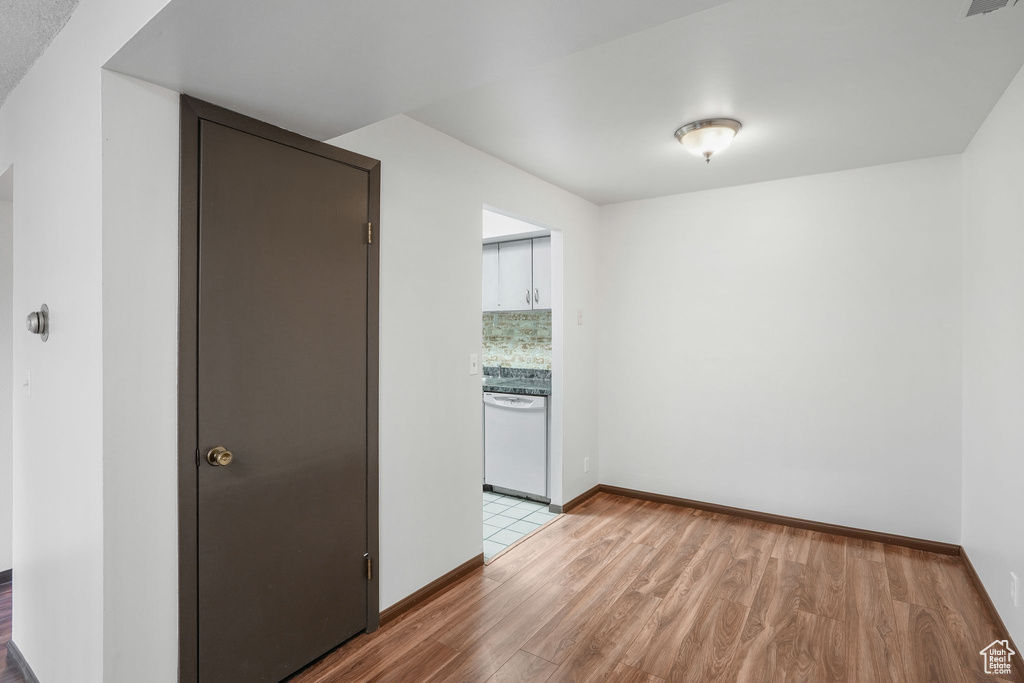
(708, 137)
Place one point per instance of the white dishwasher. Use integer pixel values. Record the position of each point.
(516, 443)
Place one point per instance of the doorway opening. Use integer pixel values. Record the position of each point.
(521, 360)
(6, 409)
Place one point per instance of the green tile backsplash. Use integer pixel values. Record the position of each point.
(518, 340)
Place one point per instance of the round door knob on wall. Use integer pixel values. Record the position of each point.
(38, 322)
(220, 457)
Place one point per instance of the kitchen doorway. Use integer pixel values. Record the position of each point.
(6, 409)
(520, 359)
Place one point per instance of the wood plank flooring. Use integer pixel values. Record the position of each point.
(8, 674)
(639, 592)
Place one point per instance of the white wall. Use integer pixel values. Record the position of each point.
(140, 355)
(791, 347)
(6, 382)
(993, 368)
(50, 128)
(433, 190)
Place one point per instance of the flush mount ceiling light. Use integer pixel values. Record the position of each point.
(708, 136)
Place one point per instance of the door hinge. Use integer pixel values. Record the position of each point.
(369, 233)
(198, 461)
(369, 568)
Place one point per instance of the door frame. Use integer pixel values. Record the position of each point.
(192, 111)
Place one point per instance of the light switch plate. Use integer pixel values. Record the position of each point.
(474, 364)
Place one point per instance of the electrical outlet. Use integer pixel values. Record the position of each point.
(579, 317)
(1014, 592)
(474, 364)
(586, 464)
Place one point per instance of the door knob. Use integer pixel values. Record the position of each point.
(219, 457)
(38, 322)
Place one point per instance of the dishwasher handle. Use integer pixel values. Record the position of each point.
(514, 402)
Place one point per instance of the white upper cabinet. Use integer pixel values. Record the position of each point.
(491, 291)
(515, 275)
(542, 273)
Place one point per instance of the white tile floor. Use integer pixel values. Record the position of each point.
(507, 519)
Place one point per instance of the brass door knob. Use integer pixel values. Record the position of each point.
(219, 457)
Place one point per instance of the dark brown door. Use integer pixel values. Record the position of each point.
(282, 384)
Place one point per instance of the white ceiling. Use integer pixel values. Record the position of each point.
(26, 28)
(588, 93)
(820, 85)
(325, 67)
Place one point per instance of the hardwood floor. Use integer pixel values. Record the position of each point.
(640, 592)
(8, 674)
(627, 591)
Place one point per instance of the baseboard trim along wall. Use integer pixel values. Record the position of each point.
(580, 499)
(852, 532)
(430, 590)
(991, 606)
(17, 660)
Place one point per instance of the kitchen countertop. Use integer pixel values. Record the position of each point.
(526, 386)
(527, 382)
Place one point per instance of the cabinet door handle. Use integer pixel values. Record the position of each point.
(527, 296)
(536, 296)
